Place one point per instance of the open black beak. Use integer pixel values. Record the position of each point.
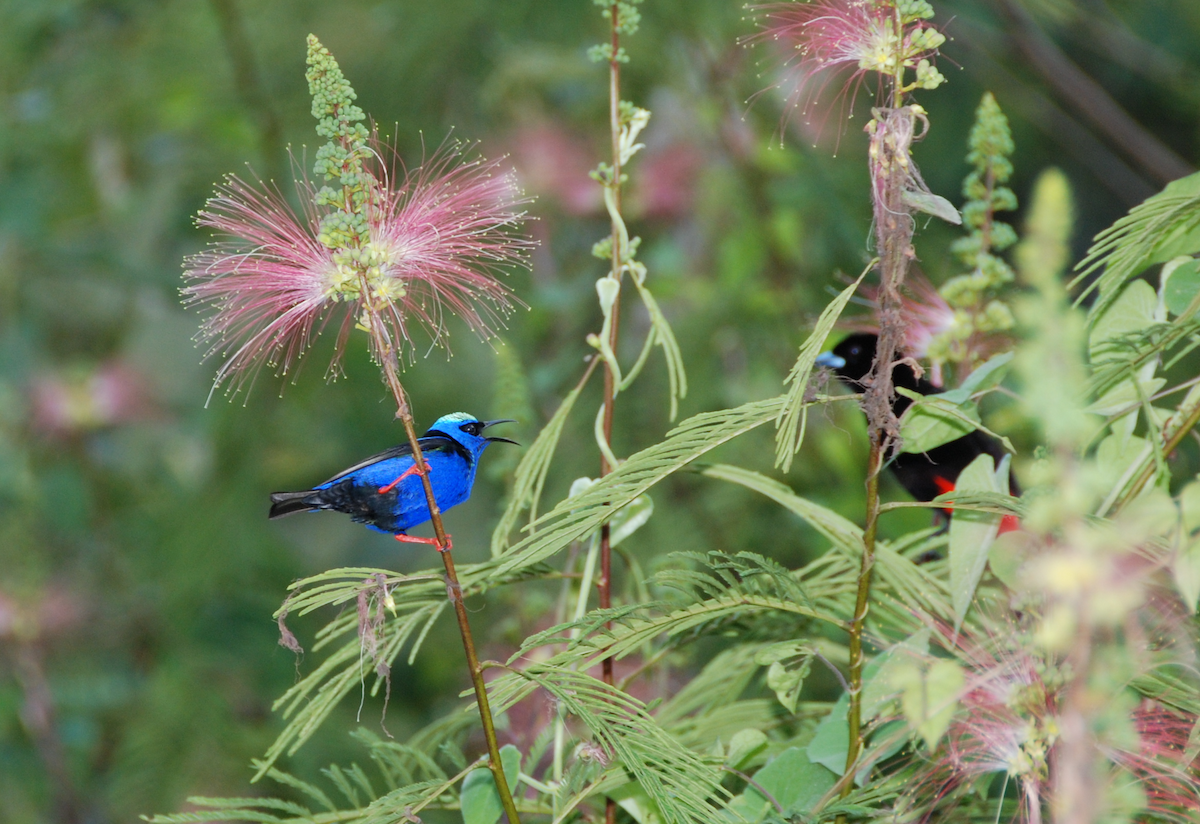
(486, 424)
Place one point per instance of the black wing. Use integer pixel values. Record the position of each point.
(429, 443)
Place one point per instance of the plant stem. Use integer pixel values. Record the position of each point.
(387, 359)
(604, 584)
(891, 138)
(861, 607)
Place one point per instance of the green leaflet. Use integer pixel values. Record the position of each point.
(928, 695)
(579, 514)
(1180, 284)
(479, 798)
(792, 781)
(1164, 226)
(793, 416)
(666, 339)
(911, 583)
(530, 477)
(675, 779)
(972, 533)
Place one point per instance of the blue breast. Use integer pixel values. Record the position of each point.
(452, 475)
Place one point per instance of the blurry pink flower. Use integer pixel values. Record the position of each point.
(666, 184)
(1171, 786)
(926, 316)
(41, 615)
(550, 161)
(111, 394)
(1008, 722)
(827, 38)
(439, 236)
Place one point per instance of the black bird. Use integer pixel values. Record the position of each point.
(928, 474)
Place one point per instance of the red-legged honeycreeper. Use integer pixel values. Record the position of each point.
(385, 491)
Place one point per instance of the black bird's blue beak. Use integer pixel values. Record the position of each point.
(830, 360)
(486, 424)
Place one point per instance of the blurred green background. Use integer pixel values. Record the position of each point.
(138, 572)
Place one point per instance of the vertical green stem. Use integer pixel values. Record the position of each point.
(604, 583)
(861, 608)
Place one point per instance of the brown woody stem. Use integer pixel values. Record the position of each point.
(891, 167)
(388, 360)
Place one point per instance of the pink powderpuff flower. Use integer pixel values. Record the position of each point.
(439, 236)
(926, 316)
(826, 38)
(1171, 786)
(1008, 723)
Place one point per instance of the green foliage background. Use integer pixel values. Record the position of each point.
(149, 534)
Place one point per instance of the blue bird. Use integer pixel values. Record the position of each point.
(385, 491)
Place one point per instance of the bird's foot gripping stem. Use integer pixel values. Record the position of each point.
(412, 539)
(412, 470)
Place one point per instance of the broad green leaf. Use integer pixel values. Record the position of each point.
(831, 743)
(1117, 458)
(879, 693)
(744, 746)
(988, 375)
(932, 421)
(1133, 311)
(1180, 284)
(932, 204)
(928, 695)
(1007, 555)
(1126, 395)
(793, 781)
(480, 798)
(971, 535)
(633, 799)
(793, 415)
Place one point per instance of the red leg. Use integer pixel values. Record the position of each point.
(412, 470)
(411, 539)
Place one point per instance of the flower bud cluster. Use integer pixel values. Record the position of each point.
(342, 157)
(978, 312)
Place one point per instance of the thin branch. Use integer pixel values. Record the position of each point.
(1089, 99)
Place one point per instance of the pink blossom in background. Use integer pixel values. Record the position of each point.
(40, 615)
(111, 394)
(551, 162)
(442, 234)
(665, 186)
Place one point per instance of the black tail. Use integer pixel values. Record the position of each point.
(285, 503)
